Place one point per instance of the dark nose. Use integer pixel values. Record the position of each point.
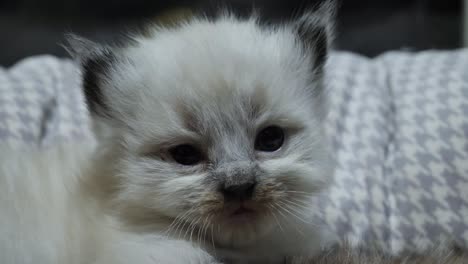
(242, 191)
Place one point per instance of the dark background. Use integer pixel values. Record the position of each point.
(368, 27)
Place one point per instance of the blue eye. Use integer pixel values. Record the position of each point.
(269, 139)
(186, 154)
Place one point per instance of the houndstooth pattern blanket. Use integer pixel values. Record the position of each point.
(398, 127)
(41, 103)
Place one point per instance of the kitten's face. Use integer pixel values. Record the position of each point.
(219, 127)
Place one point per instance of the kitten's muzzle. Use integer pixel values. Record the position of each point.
(238, 192)
(236, 180)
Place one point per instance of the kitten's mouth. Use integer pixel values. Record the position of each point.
(242, 210)
(240, 213)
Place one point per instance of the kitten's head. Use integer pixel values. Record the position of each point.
(218, 125)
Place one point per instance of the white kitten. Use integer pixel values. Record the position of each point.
(216, 148)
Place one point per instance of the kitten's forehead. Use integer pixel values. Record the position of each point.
(235, 74)
(222, 55)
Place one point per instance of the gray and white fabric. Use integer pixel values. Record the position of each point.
(398, 127)
(41, 103)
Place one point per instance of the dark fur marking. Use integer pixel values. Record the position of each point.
(95, 69)
(315, 37)
(315, 29)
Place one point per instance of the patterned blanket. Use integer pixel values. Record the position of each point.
(398, 125)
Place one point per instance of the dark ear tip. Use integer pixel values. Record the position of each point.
(315, 29)
(96, 61)
(323, 15)
(328, 8)
(78, 47)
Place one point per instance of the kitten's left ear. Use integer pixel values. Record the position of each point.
(315, 30)
(95, 61)
(82, 49)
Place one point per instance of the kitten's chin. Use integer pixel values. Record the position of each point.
(243, 227)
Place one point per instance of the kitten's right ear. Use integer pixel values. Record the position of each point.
(96, 61)
(315, 29)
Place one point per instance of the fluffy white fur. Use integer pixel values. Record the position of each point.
(213, 84)
(47, 218)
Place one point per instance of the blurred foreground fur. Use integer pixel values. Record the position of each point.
(345, 254)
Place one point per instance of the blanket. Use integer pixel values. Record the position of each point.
(398, 126)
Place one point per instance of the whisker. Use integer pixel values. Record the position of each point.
(193, 226)
(177, 221)
(198, 234)
(186, 221)
(280, 212)
(181, 215)
(296, 207)
(298, 192)
(201, 238)
(190, 223)
(173, 223)
(301, 202)
(291, 213)
(208, 224)
(304, 202)
(212, 238)
(274, 216)
(295, 226)
(203, 229)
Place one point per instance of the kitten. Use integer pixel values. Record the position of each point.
(215, 149)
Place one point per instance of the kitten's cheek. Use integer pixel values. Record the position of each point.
(309, 179)
(298, 176)
(179, 193)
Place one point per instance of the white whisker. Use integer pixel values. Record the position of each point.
(291, 213)
(178, 221)
(276, 219)
(300, 209)
(295, 226)
(192, 227)
(212, 238)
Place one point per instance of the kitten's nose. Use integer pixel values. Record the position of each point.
(241, 192)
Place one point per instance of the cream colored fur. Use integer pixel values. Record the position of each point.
(48, 216)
